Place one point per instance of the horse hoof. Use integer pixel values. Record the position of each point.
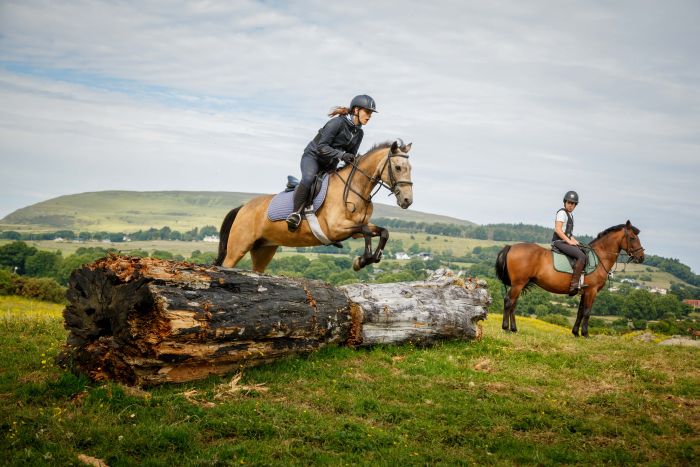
(356, 264)
(574, 333)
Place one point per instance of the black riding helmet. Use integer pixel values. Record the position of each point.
(364, 101)
(571, 196)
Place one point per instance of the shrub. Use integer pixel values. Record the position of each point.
(7, 285)
(41, 288)
(559, 320)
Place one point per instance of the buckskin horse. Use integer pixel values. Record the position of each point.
(524, 264)
(345, 212)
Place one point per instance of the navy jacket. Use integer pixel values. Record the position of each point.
(338, 136)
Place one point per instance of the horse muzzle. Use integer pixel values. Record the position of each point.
(404, 197)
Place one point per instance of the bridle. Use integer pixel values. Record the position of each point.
(394, 185)
(631, 253)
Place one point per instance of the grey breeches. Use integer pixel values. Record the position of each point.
(309, 168)
(570, 250)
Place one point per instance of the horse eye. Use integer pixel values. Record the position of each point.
(398, 168)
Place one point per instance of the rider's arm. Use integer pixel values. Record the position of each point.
(328, 133)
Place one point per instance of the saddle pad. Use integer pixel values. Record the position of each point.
(562, 264)
(282, 204)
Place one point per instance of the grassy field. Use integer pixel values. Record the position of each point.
(537, 397)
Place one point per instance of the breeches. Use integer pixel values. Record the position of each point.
(309, 168)
(571, 250)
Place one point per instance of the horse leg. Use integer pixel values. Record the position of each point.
(368, 257)
(506, 305)
(383, 238)
(262, 256)
(587, 300)
(509, 302)
(236, 250)
(579, 317)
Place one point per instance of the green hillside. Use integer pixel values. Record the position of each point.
(129, 211)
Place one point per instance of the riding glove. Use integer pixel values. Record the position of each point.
(347, 158)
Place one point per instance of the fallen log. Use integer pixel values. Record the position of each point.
(144, 321)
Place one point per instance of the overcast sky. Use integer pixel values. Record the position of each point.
(509, 104)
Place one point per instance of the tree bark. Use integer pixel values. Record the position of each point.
(144, 321)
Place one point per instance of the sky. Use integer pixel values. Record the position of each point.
(509, 104)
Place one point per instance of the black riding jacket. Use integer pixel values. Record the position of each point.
(338, 136)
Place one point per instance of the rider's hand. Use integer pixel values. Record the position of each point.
(347, 158)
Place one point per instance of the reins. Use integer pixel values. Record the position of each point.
(394, 188)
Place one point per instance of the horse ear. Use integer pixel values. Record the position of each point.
(394, 147)
(407, 147)
(628, 224)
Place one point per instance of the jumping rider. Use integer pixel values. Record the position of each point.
(338, 140)
(565, 241)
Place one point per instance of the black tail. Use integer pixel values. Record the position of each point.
(502, 267)
(224, 232)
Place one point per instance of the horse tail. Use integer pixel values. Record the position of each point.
(502, 267)
(224, 232)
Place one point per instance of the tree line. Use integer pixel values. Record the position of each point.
(164, 233)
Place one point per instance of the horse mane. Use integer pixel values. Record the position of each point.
(612, 229)
(378, 146)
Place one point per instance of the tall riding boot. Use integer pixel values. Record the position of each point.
(576, 277)
(294, 219)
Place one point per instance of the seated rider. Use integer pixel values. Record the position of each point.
(564, 239)
(339, 139)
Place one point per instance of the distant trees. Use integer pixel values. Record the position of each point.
(14, 255)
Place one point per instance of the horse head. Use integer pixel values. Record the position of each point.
(631, 243)
(396, 173)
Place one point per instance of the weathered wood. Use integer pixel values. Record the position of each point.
(146, 321)
(443, 307)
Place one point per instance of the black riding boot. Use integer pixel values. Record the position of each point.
(294, 219)
(576, 277)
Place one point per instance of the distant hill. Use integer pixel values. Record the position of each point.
(129, 211)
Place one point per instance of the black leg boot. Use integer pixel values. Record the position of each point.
(576, 277)
(294, 219)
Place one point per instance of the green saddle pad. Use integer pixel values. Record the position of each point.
(562, 264)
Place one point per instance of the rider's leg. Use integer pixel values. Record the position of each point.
(309, 169)
(574, 252)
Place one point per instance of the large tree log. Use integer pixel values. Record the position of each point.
(146, 321)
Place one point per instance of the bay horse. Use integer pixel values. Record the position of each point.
(524, 264)
(345, 212)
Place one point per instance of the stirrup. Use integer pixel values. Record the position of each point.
(293, 221)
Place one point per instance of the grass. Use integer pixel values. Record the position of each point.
(537, 397)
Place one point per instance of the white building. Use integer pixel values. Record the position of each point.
(402, 255)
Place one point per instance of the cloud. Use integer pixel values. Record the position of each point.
(509, 104)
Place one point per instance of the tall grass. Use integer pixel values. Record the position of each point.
(537, 397)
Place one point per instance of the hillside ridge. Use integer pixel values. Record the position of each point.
(127, 210)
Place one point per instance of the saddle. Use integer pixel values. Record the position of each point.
(564, 263)
(282, 204)
(292, 183)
